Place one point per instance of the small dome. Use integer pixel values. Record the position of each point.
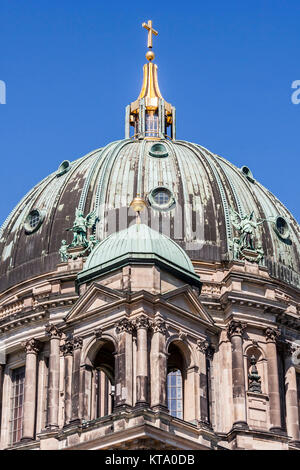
(139, 244)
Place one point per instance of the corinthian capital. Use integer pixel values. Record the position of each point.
(272, 335)
(159, 326)
(77, 342)
(53, 331)
(68, 347)
(124, 325)
(235, 328)
(142, 322)
(32, 346)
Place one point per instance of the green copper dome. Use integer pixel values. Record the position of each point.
(138, 244)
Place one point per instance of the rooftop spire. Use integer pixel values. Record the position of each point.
(150, 115)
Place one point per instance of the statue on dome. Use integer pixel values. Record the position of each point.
(244, 246)
(80, 227)
(81, 245)
(63, 251)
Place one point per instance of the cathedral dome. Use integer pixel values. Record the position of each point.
(190, 192)
(212, 209)
(139, 244)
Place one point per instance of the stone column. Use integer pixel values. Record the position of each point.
(235, 331)
(124, 369)
(76, 412)
(159, 366)
(2, 367)
(291, 396)
(203, 347)
(67, 349)
(53, 389)
(273, 379)
(32, 348)
(142, 325)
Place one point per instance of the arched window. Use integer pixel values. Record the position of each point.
(175, 382)
(175, 393)
(103, 381)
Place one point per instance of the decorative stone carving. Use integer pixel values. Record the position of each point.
(254, 378)
(77, 342)
(182, 336)
(32, 346)
(272, 335)
(53, 331)
(124, 325)
(159, 326)
(98, 333)
(142, 322)
(235, 328)
(68, 347)
(202, 345)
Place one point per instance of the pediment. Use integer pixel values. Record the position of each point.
(185, 299)
(95, 299)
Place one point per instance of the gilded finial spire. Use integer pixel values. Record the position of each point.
(150, 115)
(148, 26)
(151, 31)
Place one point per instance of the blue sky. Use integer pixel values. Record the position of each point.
(71, 67)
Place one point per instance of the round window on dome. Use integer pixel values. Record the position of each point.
(247, 173)
(63, 168)
(33, 221)
(282, 227)
(161, 198)
(158, 150)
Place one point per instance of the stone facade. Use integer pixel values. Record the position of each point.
(81, 345)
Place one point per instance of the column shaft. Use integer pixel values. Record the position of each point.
(54, 368)
(76, 375)
(292, 412)
(30, 386)
(159, 367)
(142, 361)
(68, 387)
(235, 332)
(273, 380)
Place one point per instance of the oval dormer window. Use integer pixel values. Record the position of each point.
(247, 173)
(34, 220)
(63, 168)
(158, 150)
(282, 227)
(161, 198)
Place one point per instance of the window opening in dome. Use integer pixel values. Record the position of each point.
(151, 125)
(63, 168)
(247, 173)
(161, 198)
(33, 221)
(158, 150)
(282, 227)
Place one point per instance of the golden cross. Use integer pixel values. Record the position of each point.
(151, 31)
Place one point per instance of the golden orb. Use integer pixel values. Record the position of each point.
(138, 204)
(150, 55)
